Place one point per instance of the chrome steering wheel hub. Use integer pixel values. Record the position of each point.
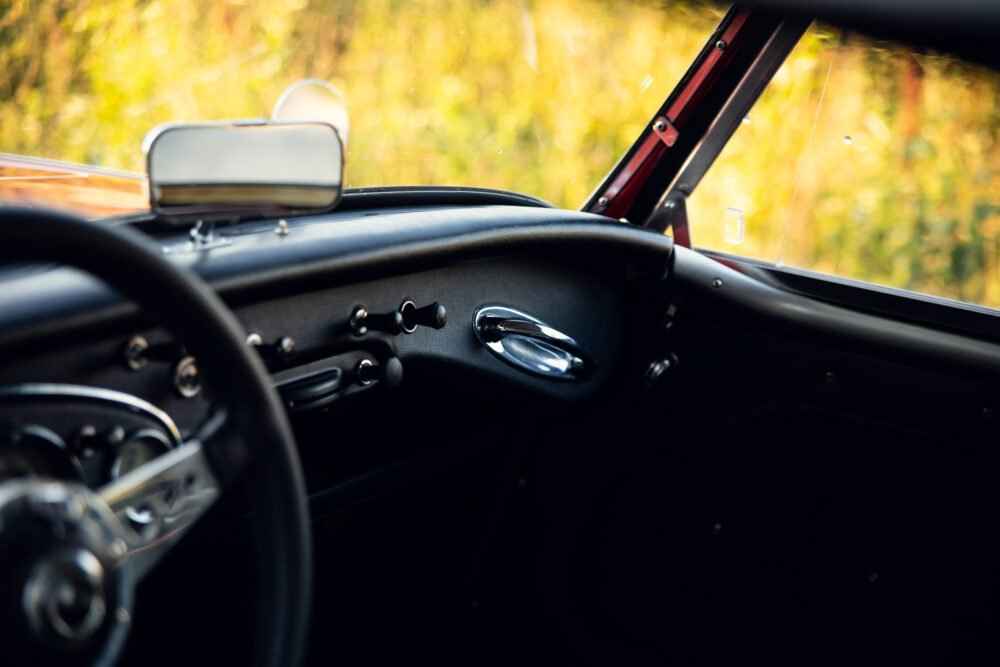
(69, 583)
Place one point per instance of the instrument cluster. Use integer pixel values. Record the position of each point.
(80, 434)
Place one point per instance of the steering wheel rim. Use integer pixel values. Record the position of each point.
(183, 304)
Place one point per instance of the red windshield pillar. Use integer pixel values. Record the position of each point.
(634, 186)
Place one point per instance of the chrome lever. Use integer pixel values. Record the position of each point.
(531, 345)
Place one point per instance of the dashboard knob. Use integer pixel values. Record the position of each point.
(362, 321)
(391, 372)
(434, 316)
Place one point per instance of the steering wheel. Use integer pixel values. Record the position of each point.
(68, 563)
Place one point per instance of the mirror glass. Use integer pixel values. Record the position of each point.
(228, 169)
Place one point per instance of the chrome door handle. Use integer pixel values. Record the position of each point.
(531, 345)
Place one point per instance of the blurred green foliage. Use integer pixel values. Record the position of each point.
(866, 160)
(539, 96)
(543, 97)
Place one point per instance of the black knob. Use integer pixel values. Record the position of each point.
(367, 372)
(362, 321)
(434, 316)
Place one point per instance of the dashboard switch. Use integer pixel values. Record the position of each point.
(137, 352)
(362, 321)
(434, 316)
(367, 372)
(187, 377)
(282, 349)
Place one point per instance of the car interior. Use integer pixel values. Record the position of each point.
(472, 428)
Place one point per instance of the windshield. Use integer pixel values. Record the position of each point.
(540, 97)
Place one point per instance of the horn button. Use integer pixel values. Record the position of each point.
(71, 590)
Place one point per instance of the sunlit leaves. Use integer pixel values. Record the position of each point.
(544, 96)
(540, 96)
(893, 179)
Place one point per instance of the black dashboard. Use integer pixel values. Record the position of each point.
(458, 500)
(107, 386)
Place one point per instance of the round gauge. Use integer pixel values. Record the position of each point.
(142, 447)
(32, 450)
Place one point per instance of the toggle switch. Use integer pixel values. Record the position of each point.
(282, 349)
(362, 321)
(138, 352)
(434, 316)
(367, 372)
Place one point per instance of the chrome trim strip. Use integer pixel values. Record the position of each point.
(97, 394)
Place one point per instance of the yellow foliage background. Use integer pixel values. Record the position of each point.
(543, 97)
(870, 161)
(540, 97)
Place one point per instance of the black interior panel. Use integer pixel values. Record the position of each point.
(805, 483)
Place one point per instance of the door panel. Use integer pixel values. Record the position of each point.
(791, 491)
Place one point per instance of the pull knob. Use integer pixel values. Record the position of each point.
(362, 321)
(434, 316)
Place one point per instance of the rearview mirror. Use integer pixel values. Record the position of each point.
(220, 170)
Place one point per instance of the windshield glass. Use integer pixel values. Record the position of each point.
(540, 97)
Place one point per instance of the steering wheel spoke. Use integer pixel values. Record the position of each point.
(174, 489)
(69, 564)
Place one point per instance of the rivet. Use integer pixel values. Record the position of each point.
(721, 45)
(716, 283)
(602, 201)
(282, 228)
(659, 126)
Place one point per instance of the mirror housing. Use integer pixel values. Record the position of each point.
(218, 171)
